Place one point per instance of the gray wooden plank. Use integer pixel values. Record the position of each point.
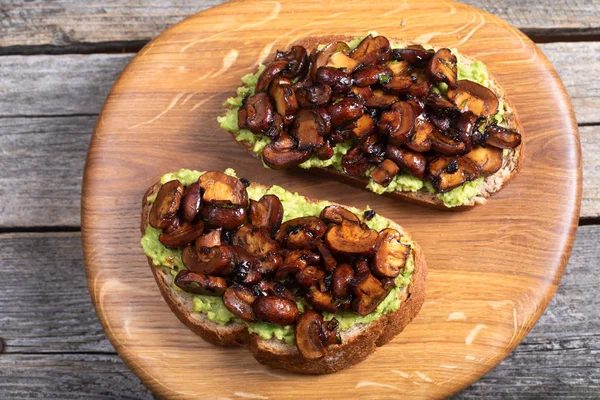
(64, 23)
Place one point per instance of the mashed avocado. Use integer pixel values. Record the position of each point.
(456, 197)
(294, 206)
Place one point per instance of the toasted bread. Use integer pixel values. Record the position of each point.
(358, 342)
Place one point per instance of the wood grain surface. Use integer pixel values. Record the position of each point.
(160, 116)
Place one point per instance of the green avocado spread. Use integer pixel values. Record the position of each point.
(294, 206)
(474, 71)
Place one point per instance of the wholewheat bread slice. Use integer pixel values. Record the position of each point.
(491, 184)
(358, 342)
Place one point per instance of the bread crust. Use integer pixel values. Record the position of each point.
(492, 183)
(357, 343)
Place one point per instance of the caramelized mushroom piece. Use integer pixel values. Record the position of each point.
(365, 126)
(209, 260)
(210, 239)
(345, 111)
(276, 310)
(166, 204)
(309, 335)
(398, 84)
(446, 145)
(190, 202)
(266, 212)
(325, 152)
(300, 233)
(421, 85)
(227, 218)
(342, 61)
(274, 69)
(385, 172)
(272, 288)
(354, 163)
(399, 68)
(471, 96)
(417, 104)
(222, 189)
(500, 137)
(174, 224)
(256, 240)
(197, 283)
(315, 95)
(436, 100)
(361, 266)
(322, 57)
(414, 163)
(283, 154)
(238, 299)
(350, 238)
(488, 159)
(329, 261)
(322, 301)
(380, 99)
(343, 279)
(420, 140)
(186, 233)
(307, 129)
(369, 292)
(309, 276)
(257, 112)
(371, 75)
(339, 81)
(397, 123)
(414, 54)
(285, 99)
(276, 128)
(297, 62)
(295, 261)
(391, 254)
(446, 173)
(371, 50)
(442, 68)
(336, 214)
(247, 268)
(466, 123)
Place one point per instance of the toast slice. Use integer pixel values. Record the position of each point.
(357, 343)
(491, 184)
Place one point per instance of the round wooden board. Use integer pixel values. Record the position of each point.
(493, 269)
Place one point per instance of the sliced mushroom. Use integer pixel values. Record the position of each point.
(276, 310)
(342, 61)
(188, 232)
(339, 81)
(283, 94)
(442, 68)
(398, 84)
(315, 95)
(377, 73)
(273, 288)
(322, 301)
(361, 266)
(174, 224)
(238, 299)
(256, 240)
(361, 93)
(257, 111)
(436, 100)
(329, 261)
(446, 145)
(295, 261)
(385, 172)
(380, 99)
(283, 153)
(343, 279)
(325, 152)
(397, 123)
(414, 163)
(417, 104)
(273, 70)
(277, 128)
(413, 54)
(365, 126)
(369, 292)
(309, 338)
(399, 68)
(489, 159)
(441, 119)
(323, 56)
(300, 233)
(222, 189)
(466, 123)
(421, 141)
(297, 62)
(354, 163)
(350, 238)
(307, 130)
(502, 138)
(471, 96)
(190, 202)
(338, 136)
(197, 283)
(336, 214)
(266, 212)
(166, 204)
(345, 111)
(247, 268)
(309, 276)
(371, 50)
(209, 260)
(391, 254)
(446, 173)
(226, 218)
(210, 239)
(421, 84)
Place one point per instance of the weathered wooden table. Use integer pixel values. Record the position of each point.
(58, 59)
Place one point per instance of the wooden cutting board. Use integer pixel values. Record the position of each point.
(492, 270)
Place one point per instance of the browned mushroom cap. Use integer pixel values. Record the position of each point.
(488, 159)
(414, 163)
(238, 299)
(266, 212)
(309, 335)
(166, 204)
(442, 68)
(315, 95)
(276, 310)
(186, 233)
(247, 268)
(354, 163)
(329, 261)
(436, 100)
(417, 104)
(274, 69)
(361, 266)
(420, 140)
(503, 138)
(466, 123)
(276, 128)
(258, 112)
(371, 50)
(321, 301)
(471, 96)
(446, 145)
(322, 57)
(421, 84)
(342, 61)
(283, 153)
(227, 218)
(369, 292)
(256, 240)
(325, 152)
(397, 123)
(222, 189)
(307, 129)
(350, 238)
(343, 278)
(300, 233)
(339, 81)
(210, 239)
(365, 126)
(361, 93)
(398, 84)
(283, 94)
(197, 283)
(391, 254)
(345, 111)
(399, 68)
(309, 276)
(372, 74)
(330, 332)
(297, 61)
(295, 261)
(273, 288)
(380, 99)
(209, 260)
(190, 202)
(336, 214)
(446, 173)
(385, 172)
(414, 54)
